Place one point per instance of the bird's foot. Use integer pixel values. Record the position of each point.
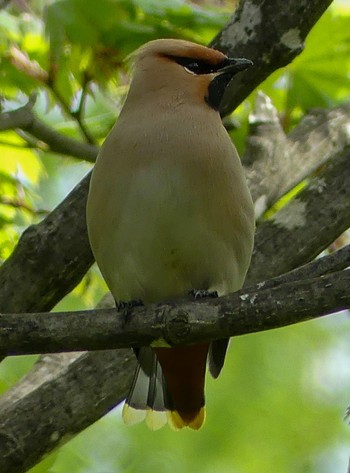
(202, 293)
(125, 307)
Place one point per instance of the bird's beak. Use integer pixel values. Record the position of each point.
(234, 65)
(222, 77)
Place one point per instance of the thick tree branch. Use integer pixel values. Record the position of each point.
(50, 258)
(318, 267)
(307, 224)
(57, 385)
(275, 303)
(271, 34)
(272, 158)
(25, 119)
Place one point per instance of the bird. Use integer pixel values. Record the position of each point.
(169, 213)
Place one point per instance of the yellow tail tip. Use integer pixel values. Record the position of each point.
(157, 419)
(154, 419)
(132, 416)
(176, 422)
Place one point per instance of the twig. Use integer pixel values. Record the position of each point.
(19, 204)
(24, 118)
(326, 265)
(31, 68)
(83, 95)
(31, 141)
(19, 145)
(66, 108)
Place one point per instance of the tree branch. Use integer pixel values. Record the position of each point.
(50, 258)
(70, 114)
(51, 388)
(25, 119)
(272, 158)
(275, 303)
(300, 231)
(319, 267)
(20, 204)
(31, 68)
(78, 113)
(271, 34)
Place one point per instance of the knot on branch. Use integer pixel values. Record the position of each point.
(176, 324)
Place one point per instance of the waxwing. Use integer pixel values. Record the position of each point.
(169, 212)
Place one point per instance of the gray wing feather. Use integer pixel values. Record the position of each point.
(148, 389)
(217, 352)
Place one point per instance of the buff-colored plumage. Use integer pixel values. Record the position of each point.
(169, 211)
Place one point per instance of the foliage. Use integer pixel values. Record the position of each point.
(273, 408)
(319, 77)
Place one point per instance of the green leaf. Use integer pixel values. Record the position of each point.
(320, 76)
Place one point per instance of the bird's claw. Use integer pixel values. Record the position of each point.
(203, 293)
(125, 307)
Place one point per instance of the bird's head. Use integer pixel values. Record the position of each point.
(172, 67)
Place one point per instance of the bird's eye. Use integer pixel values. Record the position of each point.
(195, 66)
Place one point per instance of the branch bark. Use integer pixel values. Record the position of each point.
(271, 34)
(42, 412)
(305, 226)
(266, 305)
(272, 158)
(25, 119)
(50, 258)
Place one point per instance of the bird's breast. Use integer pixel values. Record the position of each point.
(172, 213)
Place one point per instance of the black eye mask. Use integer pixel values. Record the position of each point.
(197, 66)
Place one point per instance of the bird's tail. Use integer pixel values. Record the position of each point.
(168, 386)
